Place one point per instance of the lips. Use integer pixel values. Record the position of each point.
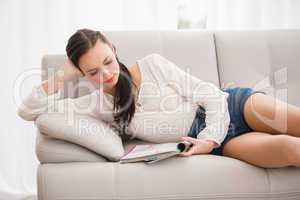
(109, 80)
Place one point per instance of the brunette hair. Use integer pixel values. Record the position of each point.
(124, 100)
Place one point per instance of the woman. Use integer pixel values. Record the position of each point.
(225, 122)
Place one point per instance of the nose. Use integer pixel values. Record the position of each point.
(106, 74)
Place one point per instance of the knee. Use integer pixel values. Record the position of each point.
(290, 147)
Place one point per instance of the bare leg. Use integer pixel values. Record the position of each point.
(264, 113)
(264, 150)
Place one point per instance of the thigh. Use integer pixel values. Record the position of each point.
(260, 149)
(264, 113)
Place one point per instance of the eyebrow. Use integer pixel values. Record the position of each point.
(96, 68)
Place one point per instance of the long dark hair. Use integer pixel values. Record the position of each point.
(124, 100)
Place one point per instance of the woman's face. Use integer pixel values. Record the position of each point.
(100, 65)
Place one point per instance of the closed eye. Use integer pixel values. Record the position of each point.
(94, 73)
(109, 62)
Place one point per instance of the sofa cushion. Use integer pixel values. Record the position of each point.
(83, 130)
(194, 177)
(192, 50)
(51, 150)
(264, 60)
(199, 58)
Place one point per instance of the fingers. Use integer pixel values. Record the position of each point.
(188, 153)
(192, 149)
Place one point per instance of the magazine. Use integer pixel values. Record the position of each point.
(152, 153)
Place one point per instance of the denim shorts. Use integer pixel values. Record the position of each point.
(238, 126)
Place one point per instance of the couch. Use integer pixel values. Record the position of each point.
(268, 60)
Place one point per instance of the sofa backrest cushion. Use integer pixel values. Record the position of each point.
(264, 60)
(193, 51)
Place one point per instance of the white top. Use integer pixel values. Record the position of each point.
(165, 108)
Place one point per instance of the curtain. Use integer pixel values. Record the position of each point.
(238, 14)
(30, 29)
(253, 14)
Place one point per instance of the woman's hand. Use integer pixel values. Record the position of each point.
(200, 146)
(69, 72)
(56, 81)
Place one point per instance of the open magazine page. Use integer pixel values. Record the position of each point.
(151, 149)
(151, 153)
(161, 157)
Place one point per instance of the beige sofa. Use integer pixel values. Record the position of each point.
(258, 59)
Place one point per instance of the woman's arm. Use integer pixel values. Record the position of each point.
(48, 94)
